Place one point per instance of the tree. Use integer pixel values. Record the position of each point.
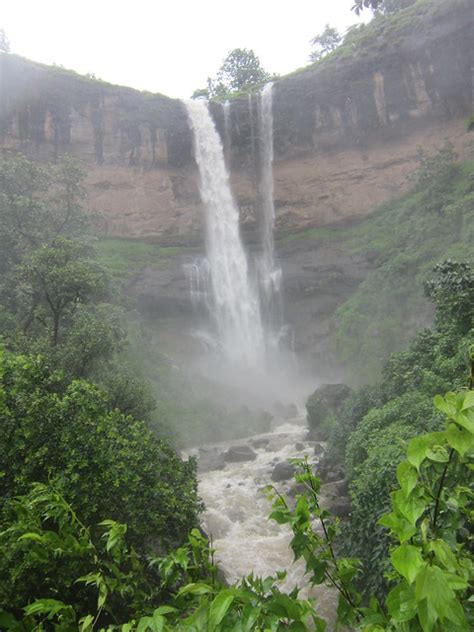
(240, 71)
(325, 43)
(4, 42)
(386, 7)
(59, 278)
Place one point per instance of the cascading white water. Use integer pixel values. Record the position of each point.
(236, 308)
(269, 272)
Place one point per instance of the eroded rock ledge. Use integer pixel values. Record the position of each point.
(346, 131)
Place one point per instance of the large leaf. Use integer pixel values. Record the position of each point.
(408, 561)
(399, 526)
(407, 477)
(219, 607)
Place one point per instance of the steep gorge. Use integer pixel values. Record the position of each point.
(346, 133)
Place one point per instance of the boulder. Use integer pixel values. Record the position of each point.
(260, 442)
(210, 459)
(238, 453)
(282, 471)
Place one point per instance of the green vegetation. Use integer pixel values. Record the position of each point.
(389, 27)
(403, 240)
(325, 43)
(387, 7)
(240, 72)
(374, 422)
(72, 414)
(123, 258)
(430, 568)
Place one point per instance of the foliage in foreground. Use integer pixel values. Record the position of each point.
(107, 465)
(431, 565)
(374, 421)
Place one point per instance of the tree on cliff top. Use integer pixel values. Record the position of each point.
(4, 42)
(325, 43)
(240, 70)
(386, 7)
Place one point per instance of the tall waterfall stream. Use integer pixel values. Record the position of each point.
(244, 314)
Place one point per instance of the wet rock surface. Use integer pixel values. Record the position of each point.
(239, 453)
(282, 472)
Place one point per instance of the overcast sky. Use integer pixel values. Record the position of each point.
(168, 46)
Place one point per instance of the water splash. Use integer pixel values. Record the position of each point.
(269, 272)
(235, 303)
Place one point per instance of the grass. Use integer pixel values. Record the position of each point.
(405, 239)
(364, 39)
(123, 258)
(321, 233)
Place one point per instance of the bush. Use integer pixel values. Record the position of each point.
(109, 465)
(322, 407)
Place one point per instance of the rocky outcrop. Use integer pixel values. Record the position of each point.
(237, 453)
(346, 131)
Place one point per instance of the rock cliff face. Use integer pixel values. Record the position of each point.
(346, 131)
(346, 134)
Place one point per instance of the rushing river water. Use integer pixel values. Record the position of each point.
(237, 510)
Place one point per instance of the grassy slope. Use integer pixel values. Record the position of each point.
(123, 258)
(405, 240)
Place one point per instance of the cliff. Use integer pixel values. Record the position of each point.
(346, 130)
(346, 135)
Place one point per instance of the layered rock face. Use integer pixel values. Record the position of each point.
(346, 136)
(346, 132)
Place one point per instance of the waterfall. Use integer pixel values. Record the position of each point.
(235, 303)
(269, 272)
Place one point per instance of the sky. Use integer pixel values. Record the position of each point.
(168, 46)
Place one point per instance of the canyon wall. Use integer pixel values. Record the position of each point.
(346, 136)
(346, 130)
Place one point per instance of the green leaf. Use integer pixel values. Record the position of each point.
(408, 561)
(416, 453)
(460, 439)
(466, 420)
(398, 525)
(432, 587)
(468, 400)
(250, 615)
(445, 406)
(401, 603)
(165, 610)
(411, 507)
(407, 477)
(49, 607)
(195, 589)
(219, 607)
(444, 554)
(85, 624)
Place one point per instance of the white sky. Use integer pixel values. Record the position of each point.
(164, 45)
